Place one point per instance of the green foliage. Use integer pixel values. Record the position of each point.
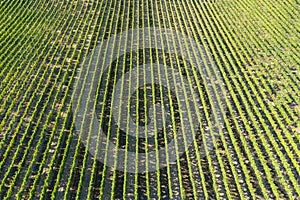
(254, 45)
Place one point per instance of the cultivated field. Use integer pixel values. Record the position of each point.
(154, 99)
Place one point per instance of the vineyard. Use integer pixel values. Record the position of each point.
(160, 99)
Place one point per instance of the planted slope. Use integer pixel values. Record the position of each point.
(49, 149)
